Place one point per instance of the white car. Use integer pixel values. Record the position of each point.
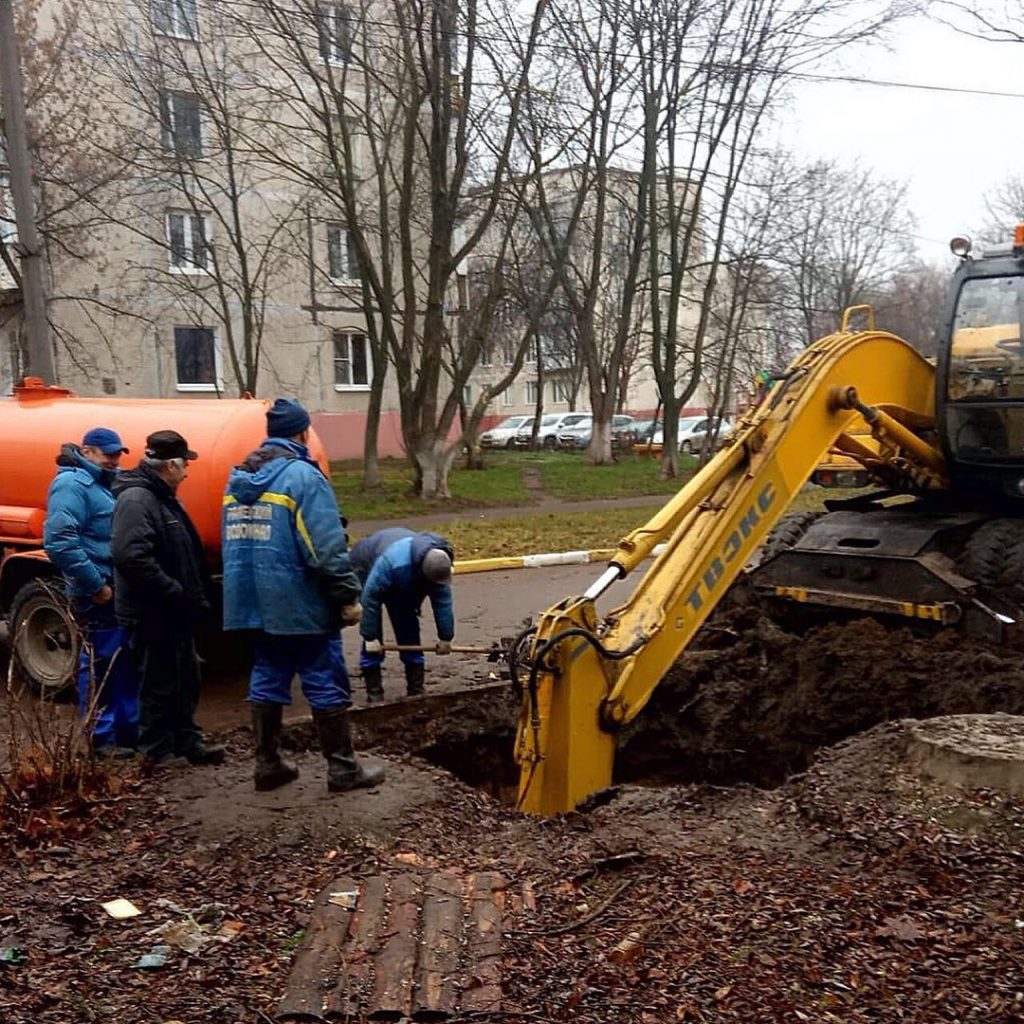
(551, 426)
(692, 431)
(502, 435)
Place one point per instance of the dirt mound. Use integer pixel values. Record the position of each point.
(757, 709)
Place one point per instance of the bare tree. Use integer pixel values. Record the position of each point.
(433, 101)
(210, 223)
(75, 183)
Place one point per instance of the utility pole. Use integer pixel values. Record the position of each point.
(33, 293)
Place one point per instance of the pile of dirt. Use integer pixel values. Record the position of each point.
(756, 710)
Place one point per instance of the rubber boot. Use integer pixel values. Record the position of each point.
(343, 770)
(374, 684)
(272, 770)
(414, 676)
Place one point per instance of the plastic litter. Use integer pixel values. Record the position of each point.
(121, 909)
(156, 957)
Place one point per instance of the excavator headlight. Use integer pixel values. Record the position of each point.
(960, 246)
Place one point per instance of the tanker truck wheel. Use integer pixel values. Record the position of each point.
(44, 638)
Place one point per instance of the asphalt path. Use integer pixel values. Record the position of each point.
(488, 606)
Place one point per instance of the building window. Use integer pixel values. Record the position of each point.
(486, 354)
(351, 361)
(333, 22)
(8, 224)
(175, 18)
(181, 122)
(195, 357)
(508, 351)
(342, 261)
(531, 392)
(467, 396)
(507, 398)
(560, 392)
(188, 242)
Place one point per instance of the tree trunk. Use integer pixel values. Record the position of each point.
(433, 464)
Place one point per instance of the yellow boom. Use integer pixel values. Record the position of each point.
(589, 677)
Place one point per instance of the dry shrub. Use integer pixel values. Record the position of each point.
(51, 785)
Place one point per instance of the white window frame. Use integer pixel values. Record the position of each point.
(8, 222)
(467, 395)
(508, 398)
(179, 24)
(530, 393)
(168, 130)
(329, 42)
(189, 266)
(351, 333)
(217, 384)
(345, 251)
(559, 391)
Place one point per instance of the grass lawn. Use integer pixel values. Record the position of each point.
(501, 483)
(569, 477)
(572, 531)
(563, 475)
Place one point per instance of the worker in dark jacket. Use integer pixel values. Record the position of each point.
(399, 569)
(161, 593)
(76, 536)
(287, 576)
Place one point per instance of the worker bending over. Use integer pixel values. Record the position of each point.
(287, 575)
(399, 568)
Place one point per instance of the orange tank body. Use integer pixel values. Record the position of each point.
(37, 421)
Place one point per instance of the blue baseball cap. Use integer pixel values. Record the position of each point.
(108, 441)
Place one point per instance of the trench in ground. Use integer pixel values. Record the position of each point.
(756, 706)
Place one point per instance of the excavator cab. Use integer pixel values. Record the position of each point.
(980, 380)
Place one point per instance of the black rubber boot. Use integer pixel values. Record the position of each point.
(272, 770)
(414, 676)
(374, 684)
(205, 753)
(343, 770)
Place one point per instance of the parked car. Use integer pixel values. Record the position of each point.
(578, 435)
(622, 431)
(692, 431)
(644, 430)
(551, 426)
(691, 441)
(502, 435)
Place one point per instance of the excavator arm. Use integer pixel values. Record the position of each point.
(588, 676)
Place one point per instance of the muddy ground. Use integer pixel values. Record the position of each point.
(780, 862)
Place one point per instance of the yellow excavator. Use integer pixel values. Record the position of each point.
(939, 541)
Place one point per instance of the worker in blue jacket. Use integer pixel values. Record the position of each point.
(79, 508)
(399, 569)
(287, 576)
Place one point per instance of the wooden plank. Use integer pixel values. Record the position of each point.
(440, 944)
(482, 989)
(395, 965)
(353, 988)
(315, 967)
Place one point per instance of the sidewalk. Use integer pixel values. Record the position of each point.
(546, 506)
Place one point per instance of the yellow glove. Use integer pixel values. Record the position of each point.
(351, 614)
(443, 647)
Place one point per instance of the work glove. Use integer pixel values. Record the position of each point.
(443, 647)
(373, 647)
(351, 614)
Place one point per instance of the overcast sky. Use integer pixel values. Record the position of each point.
(950, 149)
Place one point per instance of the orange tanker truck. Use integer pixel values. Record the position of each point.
(34, 423)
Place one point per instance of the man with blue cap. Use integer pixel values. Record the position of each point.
(287, 576)
(76, 536)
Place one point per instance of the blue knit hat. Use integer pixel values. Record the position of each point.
(286, 418)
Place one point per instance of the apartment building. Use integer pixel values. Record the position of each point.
(208, 260)
(554, 364)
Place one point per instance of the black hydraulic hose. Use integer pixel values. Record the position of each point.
(551, 642)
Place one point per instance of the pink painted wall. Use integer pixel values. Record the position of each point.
(342, 434)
